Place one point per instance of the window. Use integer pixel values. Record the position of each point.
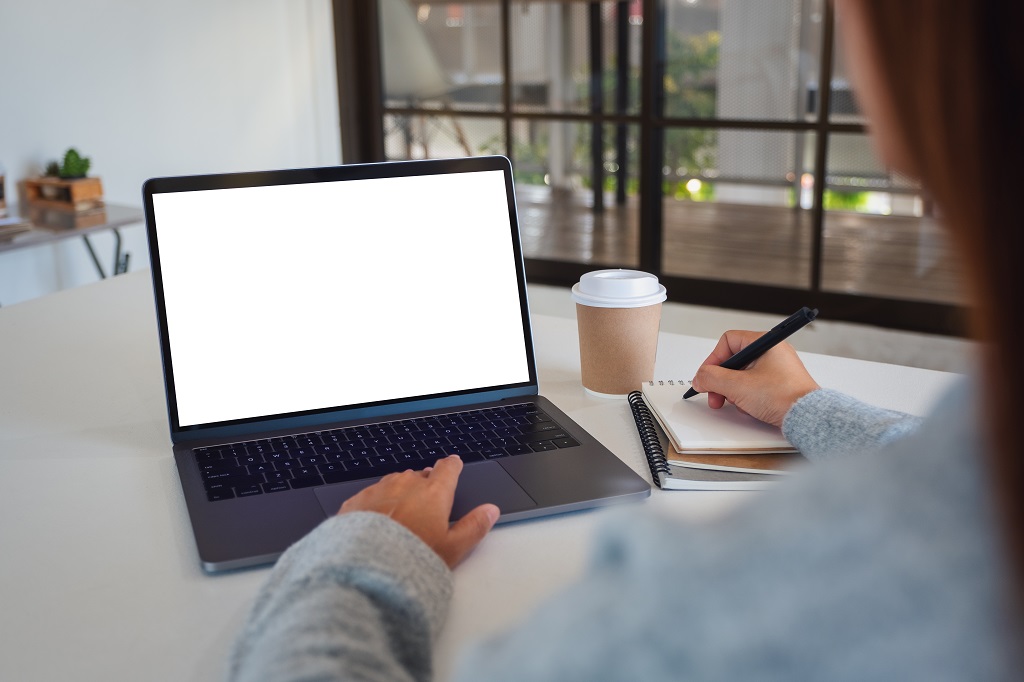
(689, 138)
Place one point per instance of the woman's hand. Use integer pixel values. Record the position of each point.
(422, 502)
(766, 389)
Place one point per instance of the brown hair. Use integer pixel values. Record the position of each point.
(954, 73)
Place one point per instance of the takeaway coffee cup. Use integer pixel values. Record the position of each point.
(618, 313)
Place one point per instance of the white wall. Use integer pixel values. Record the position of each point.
(151, 87)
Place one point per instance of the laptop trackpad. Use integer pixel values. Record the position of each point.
(479, 482)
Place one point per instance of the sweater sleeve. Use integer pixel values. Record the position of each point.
(359, 598)
(878, 567)
(825, 424)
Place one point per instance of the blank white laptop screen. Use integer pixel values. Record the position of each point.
(288, 298)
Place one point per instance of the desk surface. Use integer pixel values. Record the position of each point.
(112, 217)
(99, 578)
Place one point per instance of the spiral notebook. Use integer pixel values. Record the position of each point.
(711, 468)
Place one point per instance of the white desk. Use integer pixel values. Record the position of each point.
(99, 578)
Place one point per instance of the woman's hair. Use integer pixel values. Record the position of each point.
(954, 73)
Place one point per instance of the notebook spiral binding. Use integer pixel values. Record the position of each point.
(649, 439)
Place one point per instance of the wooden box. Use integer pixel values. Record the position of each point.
(77, 194)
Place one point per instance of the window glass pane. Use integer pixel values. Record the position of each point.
(441, 54)
(843, 107)
(552, 69)
(440, 136)
(746, 60)
(737, 205)
(881, 235)
(555, 189)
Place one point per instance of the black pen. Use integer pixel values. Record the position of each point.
(766, 342)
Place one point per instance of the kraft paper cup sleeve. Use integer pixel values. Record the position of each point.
(618, 347)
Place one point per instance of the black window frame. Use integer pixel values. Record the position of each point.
(362, 111)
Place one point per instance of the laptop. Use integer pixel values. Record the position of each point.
(321, 328)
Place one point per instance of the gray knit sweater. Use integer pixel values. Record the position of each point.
(880, 564)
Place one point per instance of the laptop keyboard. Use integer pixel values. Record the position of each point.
(270, 465)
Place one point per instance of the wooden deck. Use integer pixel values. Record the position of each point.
(889, 256)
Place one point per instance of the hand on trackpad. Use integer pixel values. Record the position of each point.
(479, 483)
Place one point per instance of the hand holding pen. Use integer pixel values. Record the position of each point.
(765, 391)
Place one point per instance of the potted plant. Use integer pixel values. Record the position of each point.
(65, 185)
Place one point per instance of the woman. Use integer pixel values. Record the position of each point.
(897, 560)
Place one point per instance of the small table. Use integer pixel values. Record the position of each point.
(48, 226)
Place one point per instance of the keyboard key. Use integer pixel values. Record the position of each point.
(238, 481)
(231, 472)
(411, 458)
(518, 449)
(543, 435)
(229, 464)
(249, 491)
(543, 446)
(359, 464)
(275, 487)
(565, 442)
(306, 481)
(541, 427)
(342, 476)
(216, 495)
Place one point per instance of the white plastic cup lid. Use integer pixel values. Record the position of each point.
(618, 289)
